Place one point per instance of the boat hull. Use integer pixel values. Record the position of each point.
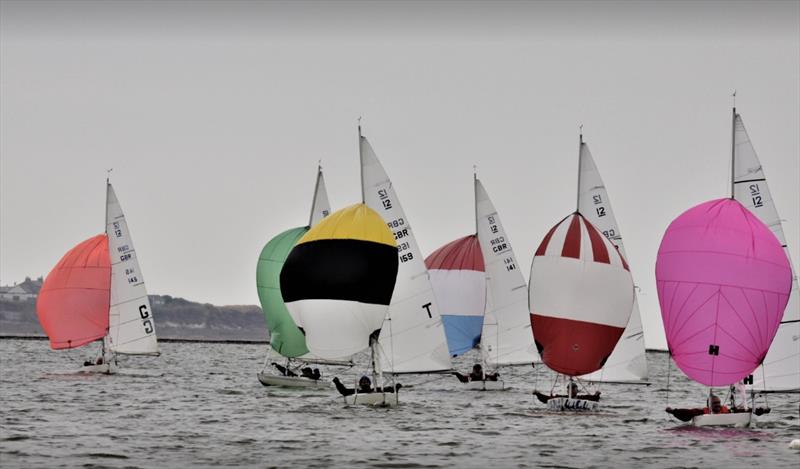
(291, 381)
(484, 386)
(738, 420)
(376, 399)
(561, 404)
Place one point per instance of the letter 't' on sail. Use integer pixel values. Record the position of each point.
(723, 283)
(339, 280)
(581, 296)
(459, 281)
(73, 303)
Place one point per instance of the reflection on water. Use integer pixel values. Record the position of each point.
(208, 409)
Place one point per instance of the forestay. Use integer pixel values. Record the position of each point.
(131, 324)
(628, 362)
(723, 283)
(781, 370)
(507, 337)
(413, 338)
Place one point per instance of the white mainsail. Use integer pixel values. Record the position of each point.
(506, 338)
(320, 207)
(131, 325)
(781, 370)
(412, 337)
(627, 363)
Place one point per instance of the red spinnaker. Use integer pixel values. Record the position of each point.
(74, 300)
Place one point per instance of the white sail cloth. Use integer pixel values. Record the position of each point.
(412, 338)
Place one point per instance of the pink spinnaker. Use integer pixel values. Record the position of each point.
(723, 283)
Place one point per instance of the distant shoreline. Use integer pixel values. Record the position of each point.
(209, 341)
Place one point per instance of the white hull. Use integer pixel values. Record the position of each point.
(106, 368)
(291, 381)
(566, 404)
(738, 420)
(484, 385)
(378, 399)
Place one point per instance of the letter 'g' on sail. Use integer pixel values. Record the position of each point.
(723, 283)
(73, 303)
(339, 280)
(581, 297)
(459, 281)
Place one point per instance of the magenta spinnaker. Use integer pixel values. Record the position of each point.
(723, 282)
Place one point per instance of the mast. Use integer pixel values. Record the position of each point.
(475, 194)
(361, 158)
(316, 189)
(110, 273)
(580, 147)
(733, 144)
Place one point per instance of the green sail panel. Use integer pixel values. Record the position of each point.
(285, 337)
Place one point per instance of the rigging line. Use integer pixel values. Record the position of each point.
(669, 369)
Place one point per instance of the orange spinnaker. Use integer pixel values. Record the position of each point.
(74, 300)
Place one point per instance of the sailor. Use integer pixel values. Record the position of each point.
(477, 374)
(364, 387)
(572, 390)
(714, 407)
(306, 372)
(284, 370)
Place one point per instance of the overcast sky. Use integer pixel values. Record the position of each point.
(214, 115)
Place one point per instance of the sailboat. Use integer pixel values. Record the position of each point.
(628, 363)
(723, 283)
(413, 337)
(338, 280)
(486, 300)
(780, 371)
(286, 334)
(97, 292)
(581, 296)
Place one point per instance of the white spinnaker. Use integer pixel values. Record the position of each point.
(782, 363)
(627, 362)
(320, 208)
(507, 338)
(412, 337)
(131, 327)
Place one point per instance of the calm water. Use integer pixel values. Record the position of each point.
(208, 409)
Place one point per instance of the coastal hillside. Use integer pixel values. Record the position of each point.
(176, 318)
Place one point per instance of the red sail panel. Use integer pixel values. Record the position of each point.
(74, 300)
(571, 345)
(461, 254)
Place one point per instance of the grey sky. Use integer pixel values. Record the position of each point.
(213, 116)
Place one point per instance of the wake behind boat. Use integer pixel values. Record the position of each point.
(97, 292)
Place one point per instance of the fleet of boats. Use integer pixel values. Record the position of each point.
(355, 279)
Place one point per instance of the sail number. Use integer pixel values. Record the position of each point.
(383, 196)
(117, 229)
(399, 234)
(755, 193)
(146, 322)
(598, 200)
